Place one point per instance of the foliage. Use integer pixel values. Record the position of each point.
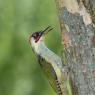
(20, 74)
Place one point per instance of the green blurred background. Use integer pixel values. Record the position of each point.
(20, 73)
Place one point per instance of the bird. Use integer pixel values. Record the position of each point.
(50, 62)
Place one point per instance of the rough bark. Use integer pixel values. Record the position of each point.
(77, 19)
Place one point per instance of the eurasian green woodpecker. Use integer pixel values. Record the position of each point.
(48, 60)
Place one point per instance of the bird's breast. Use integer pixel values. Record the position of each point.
(51, 58)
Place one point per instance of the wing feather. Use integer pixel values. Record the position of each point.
(49, 72)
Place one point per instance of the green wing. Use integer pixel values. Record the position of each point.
(49, 72)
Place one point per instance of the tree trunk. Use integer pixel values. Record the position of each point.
(77, 21)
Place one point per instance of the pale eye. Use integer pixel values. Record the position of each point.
(36, 35)
(40, 33)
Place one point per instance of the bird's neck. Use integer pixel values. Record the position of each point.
(42, 48)
(48, 55)
(51, 58)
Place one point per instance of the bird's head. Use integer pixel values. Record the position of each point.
(38, 37)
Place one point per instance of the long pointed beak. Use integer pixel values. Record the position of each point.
(46, 30)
